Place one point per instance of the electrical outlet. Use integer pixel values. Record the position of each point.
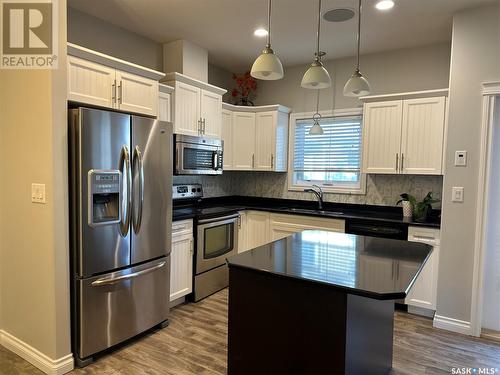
(457, 194)
(460, 158)
(38, 193)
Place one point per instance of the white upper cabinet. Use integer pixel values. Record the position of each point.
(197, 106)
(226, 135)
(259, 139)
(404, 136)
(91, 83)
(165, 103)
(211, 113)
(382, 137)
(104, 81)
(187, 109)
(243, 141)
(136, 94)
(423, 132)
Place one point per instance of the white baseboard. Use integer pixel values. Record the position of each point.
(454, 325)
(36, 358)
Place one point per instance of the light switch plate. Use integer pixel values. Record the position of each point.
(460, 158)
(457, 194)
(38, 193)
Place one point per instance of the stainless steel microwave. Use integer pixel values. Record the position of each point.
(198, 155)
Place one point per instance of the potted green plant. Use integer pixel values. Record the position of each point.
(421, 209)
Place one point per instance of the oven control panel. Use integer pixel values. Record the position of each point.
(187, 191)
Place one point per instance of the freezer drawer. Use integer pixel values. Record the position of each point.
(116, 306)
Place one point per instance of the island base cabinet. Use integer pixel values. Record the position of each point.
(284, 326)
(181, 269)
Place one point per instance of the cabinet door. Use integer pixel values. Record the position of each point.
(424, 291)
(226, 135)
(243, 141)
(164, 107)
(242, 232)
(382, 137)
(181, 260)
(211, 113)
(137, 94)
(423, 132)
(280, 160)
(281, 230)
(186, 109)
(258, 232)
(91, 83)
(265, 140)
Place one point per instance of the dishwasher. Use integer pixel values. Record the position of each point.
(373, 228)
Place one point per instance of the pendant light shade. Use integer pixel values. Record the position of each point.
(317, 77)
(357, 85)
(267, 66)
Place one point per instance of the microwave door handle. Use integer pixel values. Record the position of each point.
(215, 160)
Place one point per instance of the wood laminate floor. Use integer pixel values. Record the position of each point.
(195, 343)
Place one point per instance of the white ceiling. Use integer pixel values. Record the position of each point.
(225, 27)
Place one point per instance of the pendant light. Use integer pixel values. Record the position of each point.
(317, 77)
(357, 85)
(267, 66)
(316, 129)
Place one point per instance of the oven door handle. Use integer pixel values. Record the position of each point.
(216, 219)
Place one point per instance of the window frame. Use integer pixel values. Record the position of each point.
(294, 117)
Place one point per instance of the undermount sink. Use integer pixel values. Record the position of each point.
(305, 210)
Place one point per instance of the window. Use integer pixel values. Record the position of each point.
(331, 160)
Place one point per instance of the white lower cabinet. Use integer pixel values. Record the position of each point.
(258, 230)
(283, 225)
(181, 259)
(423, 294)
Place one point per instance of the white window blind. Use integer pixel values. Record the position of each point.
(330, 159)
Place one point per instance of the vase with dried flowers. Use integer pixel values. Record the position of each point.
(245, 88)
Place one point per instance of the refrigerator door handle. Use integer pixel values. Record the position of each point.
(137, 165)
(114, 280)
(125, 166)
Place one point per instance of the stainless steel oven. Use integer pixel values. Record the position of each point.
(198, 155)
(217, 239)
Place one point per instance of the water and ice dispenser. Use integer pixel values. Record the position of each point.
(104, 197)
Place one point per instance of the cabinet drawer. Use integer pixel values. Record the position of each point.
(309, 222)
(182, 227)
(429, 236)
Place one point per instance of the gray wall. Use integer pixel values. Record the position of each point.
(474, 59)
(222, 78)
(411, 69)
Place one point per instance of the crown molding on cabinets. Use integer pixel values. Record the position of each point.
(405, 95)
(113, 62)
(255, 109)
(166, 89)
(171, 78)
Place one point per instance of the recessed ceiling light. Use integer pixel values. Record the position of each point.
(384, 4)
(260, 33)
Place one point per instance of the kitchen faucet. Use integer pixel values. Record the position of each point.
(316, 190)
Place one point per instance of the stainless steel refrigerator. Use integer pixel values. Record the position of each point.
(121, 214)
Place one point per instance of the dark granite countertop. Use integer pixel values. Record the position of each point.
(378, 268)
(216, 206)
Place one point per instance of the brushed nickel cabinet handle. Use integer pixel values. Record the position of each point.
(402, 162)
(397, 162)
(120, 93)
(113, 92)
(272, 161)
(253, 160)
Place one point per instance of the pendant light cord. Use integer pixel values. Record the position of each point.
(319, 30)
(269, 23)
(359, 32)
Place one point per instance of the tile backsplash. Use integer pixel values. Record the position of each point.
(380, 189)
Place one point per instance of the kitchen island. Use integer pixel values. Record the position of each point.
(318, 302)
